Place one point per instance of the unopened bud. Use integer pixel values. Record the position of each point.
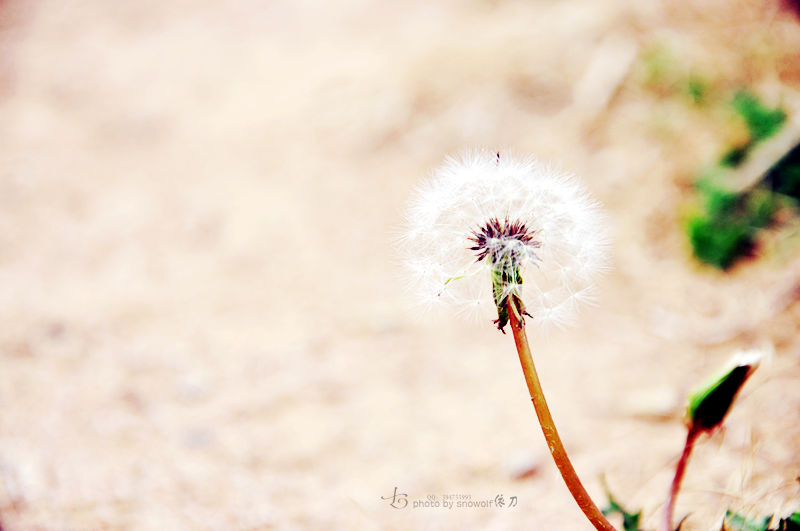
(709, 404)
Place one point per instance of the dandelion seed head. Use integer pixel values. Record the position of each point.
(479, 208)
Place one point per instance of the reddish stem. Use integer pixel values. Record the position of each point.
(680, 470)
(557, 449)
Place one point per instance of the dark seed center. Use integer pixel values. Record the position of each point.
(502, 240)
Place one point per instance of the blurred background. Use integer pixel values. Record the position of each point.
(201, 322)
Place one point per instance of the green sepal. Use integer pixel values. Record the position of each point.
(504, 274)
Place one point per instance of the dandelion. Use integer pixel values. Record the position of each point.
(490, 221)
(488, 213)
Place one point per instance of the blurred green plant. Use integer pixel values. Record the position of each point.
(630, 521)
(660, 69)
(662, 73)
(697, 89)
(725, 228)
(762, 122)
(737, 522)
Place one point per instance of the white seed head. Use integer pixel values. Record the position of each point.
(563, 249)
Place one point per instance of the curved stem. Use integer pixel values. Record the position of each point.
(676, 481)
(549, 428)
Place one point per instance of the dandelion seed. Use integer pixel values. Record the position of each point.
(485, 213)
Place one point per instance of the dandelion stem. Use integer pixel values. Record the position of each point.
(676, 481)
(557, 449)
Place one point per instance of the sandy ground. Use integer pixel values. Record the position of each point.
(201, 322)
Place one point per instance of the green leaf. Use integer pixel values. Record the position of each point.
(737, 522)
(630, 521)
